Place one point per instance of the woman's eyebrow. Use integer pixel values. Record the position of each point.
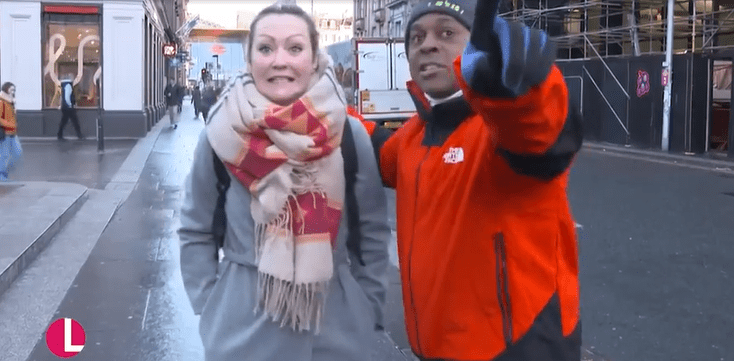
(272, 38)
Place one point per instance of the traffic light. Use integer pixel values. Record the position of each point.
(204, 74)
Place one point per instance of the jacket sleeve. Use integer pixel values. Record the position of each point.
(538, 133)
(199, 253)
(5, 115)
(374, 227)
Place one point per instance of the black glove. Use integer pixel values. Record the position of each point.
(504, 59)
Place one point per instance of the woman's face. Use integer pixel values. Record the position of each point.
(282, 61)
(11, 91)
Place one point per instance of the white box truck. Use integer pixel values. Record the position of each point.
(373, 73)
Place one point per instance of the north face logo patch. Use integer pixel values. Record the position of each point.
(454, 155)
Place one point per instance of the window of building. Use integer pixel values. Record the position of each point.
(71, 50)
(398, 29)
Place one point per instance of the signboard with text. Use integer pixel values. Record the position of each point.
(169, 50)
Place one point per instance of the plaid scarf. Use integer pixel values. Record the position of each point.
(288, 158)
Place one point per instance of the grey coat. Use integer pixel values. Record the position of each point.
(224, 293)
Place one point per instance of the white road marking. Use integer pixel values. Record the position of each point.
(145, 313)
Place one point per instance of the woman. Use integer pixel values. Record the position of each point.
(10, 149)
(288, 287)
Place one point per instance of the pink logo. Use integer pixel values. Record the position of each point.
(643, 83)
(65, 338)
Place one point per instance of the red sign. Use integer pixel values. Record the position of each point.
(169, 50)
(73, 9)
(65, 338)
(218, 49)
(665, 77)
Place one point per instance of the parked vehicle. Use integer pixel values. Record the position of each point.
(373, 73)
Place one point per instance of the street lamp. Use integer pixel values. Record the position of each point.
(216, 56)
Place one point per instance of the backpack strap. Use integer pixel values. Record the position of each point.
(351, 164)
(219, 221)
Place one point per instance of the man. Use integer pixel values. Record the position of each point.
(180, 94)
(486, 242)
(208, 98)
(68, 109)
(171, 95)
(196, 100)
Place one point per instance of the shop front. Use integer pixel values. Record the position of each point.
(105, 49)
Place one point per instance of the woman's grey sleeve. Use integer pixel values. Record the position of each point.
(199, 253)
(375, 230)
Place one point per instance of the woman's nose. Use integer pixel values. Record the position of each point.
(279, 58)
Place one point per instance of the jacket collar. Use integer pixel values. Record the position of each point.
(441, 119)
(5, 96)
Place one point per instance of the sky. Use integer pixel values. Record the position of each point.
(224, 12)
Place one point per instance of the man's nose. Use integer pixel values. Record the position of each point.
(430, 44)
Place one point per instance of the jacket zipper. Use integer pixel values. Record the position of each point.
(503, 293)
(410, 253)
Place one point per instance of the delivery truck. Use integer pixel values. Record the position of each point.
(373, 73)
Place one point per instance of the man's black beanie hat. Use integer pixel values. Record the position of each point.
(461, 10)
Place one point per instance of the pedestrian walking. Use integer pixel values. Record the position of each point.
(180, 93)
(196, 100)
(10, 150)
(172, 102)
(486, 241)
(68, 109)
(283, 133)
(208, 98)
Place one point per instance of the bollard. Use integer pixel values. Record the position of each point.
(100, 135)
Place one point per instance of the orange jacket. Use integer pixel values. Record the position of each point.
(487, 248)
(7, 117)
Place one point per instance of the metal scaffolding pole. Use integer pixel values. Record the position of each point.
(668, 69)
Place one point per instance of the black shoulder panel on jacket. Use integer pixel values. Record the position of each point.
(558, 158)
(379, 137)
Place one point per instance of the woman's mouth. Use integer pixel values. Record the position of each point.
(281, 79)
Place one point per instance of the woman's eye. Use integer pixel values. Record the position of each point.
(264, 49)
(448, 33)
(296, 49)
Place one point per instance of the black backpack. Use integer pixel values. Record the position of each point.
(349, 153)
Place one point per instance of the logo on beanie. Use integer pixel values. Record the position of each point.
(448, 4)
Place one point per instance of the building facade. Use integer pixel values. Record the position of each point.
(111, 50)
(381, 18)
(333, 30)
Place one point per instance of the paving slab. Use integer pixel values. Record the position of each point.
(32, 214)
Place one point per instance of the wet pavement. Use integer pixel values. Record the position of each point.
(655, 244)
(72, 161)
(129, 295)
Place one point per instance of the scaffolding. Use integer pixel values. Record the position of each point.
(585, 29)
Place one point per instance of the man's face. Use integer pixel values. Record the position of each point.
(435, 41)
(11, 91)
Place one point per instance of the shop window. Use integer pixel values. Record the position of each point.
(72, 50)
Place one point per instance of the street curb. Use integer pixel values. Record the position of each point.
(123, 181)
(18, 265)
(699, 161)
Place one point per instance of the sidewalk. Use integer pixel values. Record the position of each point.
(712, 161)
(34, 212)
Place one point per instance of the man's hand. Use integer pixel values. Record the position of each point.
(504, 59)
